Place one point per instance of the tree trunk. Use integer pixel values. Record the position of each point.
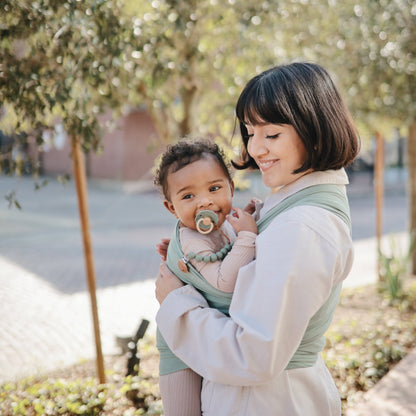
(411, 152)
(187, 125)
(379, 193)
(188, 96)
(81, 187)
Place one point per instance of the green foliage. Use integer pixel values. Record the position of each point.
(394, 267)
(142, 393)
(72, 392)
(84, 396)
(365, 360)
(190, 60)
(53, 397)
(58, 61)
(379, 64)
(11, 199)
(185, 61)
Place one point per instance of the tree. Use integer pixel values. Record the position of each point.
(384, 67)
(68, 60)
(191, 58)
(60, 60)
(183, 61)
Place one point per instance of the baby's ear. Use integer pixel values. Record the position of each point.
(232, 188)
(169, 206)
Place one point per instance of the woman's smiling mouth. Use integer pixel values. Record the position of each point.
(265, 165)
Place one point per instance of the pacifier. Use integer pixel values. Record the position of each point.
(206, 221)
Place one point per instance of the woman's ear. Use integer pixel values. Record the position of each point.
(232, 188)
(169, 206)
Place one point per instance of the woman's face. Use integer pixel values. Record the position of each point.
(278, 151)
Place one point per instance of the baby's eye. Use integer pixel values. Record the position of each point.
(187, 196)
(214, 188)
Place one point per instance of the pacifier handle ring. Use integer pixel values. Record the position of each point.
(200, 230)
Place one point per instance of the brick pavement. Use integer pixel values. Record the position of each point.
(45, 309)
(44, 305)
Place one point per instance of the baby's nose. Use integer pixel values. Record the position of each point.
(205, 201)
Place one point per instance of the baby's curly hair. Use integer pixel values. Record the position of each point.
(183, 153)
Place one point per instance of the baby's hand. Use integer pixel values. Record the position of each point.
(242, 220)
(251, 206)
(162, 248)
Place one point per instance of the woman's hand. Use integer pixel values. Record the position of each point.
(166, 282)
(162, 247)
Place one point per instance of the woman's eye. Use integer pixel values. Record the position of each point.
(272, 136)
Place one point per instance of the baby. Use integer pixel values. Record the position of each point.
(208, 247)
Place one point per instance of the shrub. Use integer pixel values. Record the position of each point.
(53, 397)
(393, 268)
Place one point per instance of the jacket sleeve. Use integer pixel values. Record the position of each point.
(274, 298)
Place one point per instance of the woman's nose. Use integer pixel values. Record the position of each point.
(256, 146)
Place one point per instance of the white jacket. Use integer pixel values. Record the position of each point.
(302, 254)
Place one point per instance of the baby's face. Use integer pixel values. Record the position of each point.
(201, 185)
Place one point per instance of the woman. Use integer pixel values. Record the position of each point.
(264, 358)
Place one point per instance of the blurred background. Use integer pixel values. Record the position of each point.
(124, 78)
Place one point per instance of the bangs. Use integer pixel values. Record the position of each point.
(260, 104)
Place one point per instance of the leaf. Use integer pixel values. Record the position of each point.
(41, 185)
(11, 198)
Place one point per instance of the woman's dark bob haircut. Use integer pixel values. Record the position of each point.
(304, 96)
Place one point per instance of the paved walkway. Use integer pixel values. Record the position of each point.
(44, 304)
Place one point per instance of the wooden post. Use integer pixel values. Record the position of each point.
(81, 186)
(379, 192)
